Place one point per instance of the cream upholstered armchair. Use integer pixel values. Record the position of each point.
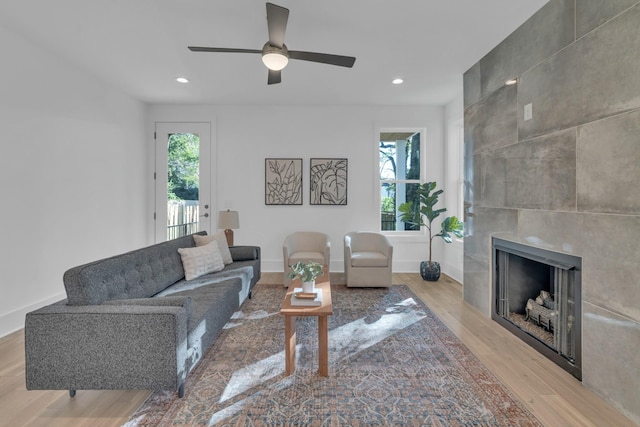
(305, 246)
(368, 259)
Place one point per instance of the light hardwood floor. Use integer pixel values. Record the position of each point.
(552, 395)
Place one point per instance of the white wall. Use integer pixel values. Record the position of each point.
(246, 135)
(453, 258)
(72, 168)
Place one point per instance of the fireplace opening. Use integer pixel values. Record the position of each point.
(537, 296)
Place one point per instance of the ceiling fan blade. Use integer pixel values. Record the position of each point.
(277, 17)
(222, 49)
(324, 58)
(274, 77)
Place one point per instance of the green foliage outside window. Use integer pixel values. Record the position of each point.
(388, 205)
(183, 162)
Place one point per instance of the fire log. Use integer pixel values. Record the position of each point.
(540, 314)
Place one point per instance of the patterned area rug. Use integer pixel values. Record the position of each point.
(391, 363)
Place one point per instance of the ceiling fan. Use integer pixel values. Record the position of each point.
(275, 54)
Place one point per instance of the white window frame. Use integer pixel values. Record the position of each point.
(378, 182)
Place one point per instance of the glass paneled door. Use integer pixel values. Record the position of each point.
(182, 179)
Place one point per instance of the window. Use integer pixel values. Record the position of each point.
(400, 174)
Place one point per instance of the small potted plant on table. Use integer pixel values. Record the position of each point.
(308, 273)
(422, 214)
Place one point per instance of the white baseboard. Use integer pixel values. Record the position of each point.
(13, 321)
(454, 272)
(406, 266)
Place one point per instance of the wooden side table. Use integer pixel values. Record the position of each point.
(323, 312)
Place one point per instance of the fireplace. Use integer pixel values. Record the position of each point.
(537, 296)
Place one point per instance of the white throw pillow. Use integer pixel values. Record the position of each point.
(221, 239)
(201, 260)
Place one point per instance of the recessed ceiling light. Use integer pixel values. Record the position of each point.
(397, 81)
(511, 82)
(182, 80)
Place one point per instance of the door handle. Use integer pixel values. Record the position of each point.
(205, 215)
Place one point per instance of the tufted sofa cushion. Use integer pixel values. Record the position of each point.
(141, 273)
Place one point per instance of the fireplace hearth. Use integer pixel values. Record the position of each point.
(537, 296)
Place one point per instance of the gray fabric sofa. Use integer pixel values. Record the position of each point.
(132, 322)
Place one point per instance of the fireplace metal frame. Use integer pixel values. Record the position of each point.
(554, 259)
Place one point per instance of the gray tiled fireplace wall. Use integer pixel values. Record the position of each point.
(567, 180)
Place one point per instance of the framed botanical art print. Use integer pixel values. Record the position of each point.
(328, 181)
(283, 181)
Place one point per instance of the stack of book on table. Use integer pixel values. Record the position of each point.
(306, 298)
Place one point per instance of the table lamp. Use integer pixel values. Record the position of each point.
(228, 220)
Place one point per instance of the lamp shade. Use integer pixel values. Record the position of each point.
(228, 220)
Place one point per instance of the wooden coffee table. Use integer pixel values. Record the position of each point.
(323, 312)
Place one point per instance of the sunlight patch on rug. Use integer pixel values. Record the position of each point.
(344, 341)
(354, 337)
(226, 413)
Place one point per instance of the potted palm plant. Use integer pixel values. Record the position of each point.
(422, 214)
(307, 272)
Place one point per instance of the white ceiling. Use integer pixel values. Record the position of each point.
(141, 46)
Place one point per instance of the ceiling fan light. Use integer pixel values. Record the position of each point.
(275, 61)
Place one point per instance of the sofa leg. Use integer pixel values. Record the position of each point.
(181, 391)
(72, 393)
